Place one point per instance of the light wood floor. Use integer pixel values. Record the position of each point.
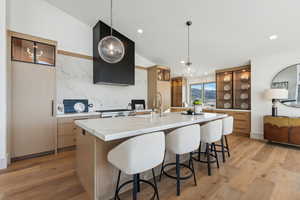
(255, 171)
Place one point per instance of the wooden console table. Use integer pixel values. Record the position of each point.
(282, 129)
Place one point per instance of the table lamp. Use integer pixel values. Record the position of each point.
(275, 95)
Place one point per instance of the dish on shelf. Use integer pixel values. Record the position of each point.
(245, 76)
(244, 106)
(245, 86)
(227, 87)
(244, 96)
(227, 96)
(227, 78)
(227, 105)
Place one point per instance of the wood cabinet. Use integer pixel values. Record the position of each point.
(242, 120)
(159, 84)
(67, 130)
(178, 91)
(234, 88)
(33, 94)
(30, 51)
(282, 129)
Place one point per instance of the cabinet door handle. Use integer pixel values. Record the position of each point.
(52, 108)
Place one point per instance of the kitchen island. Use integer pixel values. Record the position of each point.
(99, 136)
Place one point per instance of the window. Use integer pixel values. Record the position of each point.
(206, 92)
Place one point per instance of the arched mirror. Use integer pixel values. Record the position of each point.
(289, 78)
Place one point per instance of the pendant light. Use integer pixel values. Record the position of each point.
(188, 64)
(111, 49)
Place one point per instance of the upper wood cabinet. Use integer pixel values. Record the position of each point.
(234, 88)
(159, 84)
(178, 91)
(30, 51)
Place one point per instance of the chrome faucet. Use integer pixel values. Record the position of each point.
(158, 103)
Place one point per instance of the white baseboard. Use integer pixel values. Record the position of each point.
(257, 136)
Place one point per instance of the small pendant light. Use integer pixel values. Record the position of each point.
(110, 48)
(188, 64)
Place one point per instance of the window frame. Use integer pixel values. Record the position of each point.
(202, 91)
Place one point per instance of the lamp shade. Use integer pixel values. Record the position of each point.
(276, 94)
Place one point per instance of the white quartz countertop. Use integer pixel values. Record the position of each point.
(108, 129)
(85, 114)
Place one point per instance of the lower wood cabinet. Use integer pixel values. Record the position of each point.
(242, 119)
(282, 129)
(67, 130)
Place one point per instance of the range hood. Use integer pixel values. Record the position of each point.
(121, 73)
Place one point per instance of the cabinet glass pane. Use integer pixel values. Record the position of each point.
(224, 90)
(45, 54)
(242, 95)
(22, 50)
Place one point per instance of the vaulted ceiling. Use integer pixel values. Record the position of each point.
(224, 33)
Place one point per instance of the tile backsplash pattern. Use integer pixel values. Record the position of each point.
(75, 80)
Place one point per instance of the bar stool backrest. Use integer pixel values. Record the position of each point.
(183, 140)
(212, 131)
(139, 154)
(227, 125)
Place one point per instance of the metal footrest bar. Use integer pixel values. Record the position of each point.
(182, 166)
(195, 158)
(142, 181)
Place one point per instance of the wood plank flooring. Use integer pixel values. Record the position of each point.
(255, 170)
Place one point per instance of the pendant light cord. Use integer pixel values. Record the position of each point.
(188, 44)
(188, 23)
(111, 21)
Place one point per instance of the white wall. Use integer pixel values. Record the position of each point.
(263, 70)
(38, 18)
(3, 83)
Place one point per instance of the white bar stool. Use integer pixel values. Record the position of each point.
(181, 141)
(227, 130)
(137, 155)
(211, 132)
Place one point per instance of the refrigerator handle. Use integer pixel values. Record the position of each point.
(52, 108)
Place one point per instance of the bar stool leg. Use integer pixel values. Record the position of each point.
(135, 187)
(162, 167)
(139, 184)
(155, 184)
(208, 159)
(216, 154)
(118, 182)
(223, 150)
(227, 146)
(178, 174)
(192, 167)
(199, 153)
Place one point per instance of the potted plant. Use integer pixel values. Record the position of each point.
(197, 106)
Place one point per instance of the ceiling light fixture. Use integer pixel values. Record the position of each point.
(273, 37)
(182, 62)
(188, 71)
(140, 31)
(111, 49)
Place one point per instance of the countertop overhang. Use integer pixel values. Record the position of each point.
(108, 129)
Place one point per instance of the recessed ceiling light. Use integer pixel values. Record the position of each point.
(140, 31)
(182, 62)
(273, 37)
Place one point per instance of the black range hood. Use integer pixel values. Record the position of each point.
(121, 73)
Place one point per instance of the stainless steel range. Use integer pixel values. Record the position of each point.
(115, 113)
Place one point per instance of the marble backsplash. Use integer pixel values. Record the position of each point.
(75, 80)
